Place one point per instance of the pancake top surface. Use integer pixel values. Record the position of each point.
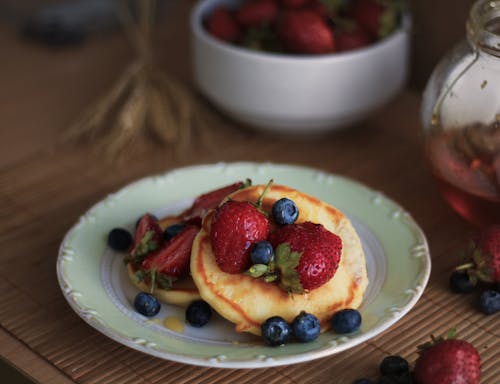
(248, 302)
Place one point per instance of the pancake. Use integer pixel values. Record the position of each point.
(248, 302)
(183, 291)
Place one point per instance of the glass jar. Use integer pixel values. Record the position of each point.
(461, 119)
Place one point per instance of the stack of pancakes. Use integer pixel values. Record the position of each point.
(248, 302)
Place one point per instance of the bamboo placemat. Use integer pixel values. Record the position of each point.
(43, 198)
(43, 191)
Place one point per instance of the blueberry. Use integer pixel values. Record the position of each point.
(172, 230)
(394, 365)
(119, 239)
(198, 313)
(489, 302)
(496, 287)
(363, 381)
(346, 321)
(285, 211)
(405, 378)
(460, 282)
(262, 252)
(306, 327)
(146, 304)
(276, 331)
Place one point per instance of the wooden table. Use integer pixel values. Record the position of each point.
(45, 185)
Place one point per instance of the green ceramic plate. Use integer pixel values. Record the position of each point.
(93, 278)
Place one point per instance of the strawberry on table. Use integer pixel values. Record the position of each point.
(484, 256)
(222, 25)
(305, 31)
(448, 361)
(307, 255)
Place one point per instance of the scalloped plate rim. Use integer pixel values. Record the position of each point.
(252, 362)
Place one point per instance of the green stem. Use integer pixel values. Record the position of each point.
(261, 197)
(465, 266)
(153, 281)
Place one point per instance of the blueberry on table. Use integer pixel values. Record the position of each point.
(346, 321)
(276, 331)
(146, 304)
(262, 252)
(405, 378)
(363, 381)
(198, 313)
(394, 365)
(285, 211)
(172, 230)
(496, 287)
(460, 282)
(119, 239)
(489, 302)
(306, 327)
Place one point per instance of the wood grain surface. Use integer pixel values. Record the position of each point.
(46, 184)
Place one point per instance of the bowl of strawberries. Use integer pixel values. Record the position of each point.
(300, 66)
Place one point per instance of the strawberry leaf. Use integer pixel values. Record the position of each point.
(257, 270)
(165, 281)
(146, 245)
(139, 276)
(287, 262)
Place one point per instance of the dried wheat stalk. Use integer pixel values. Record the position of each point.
(144, 101)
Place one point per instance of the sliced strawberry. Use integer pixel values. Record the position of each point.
(173, 258)
(212, 199)
(222, 25)
(256, 13)
(148, 237)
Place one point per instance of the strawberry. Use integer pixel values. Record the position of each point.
(376, 17)
(148, 237)
(256, 13)
(173, 257)
(351, 38)
(294, 3)
(448, 361)
(212, 199)
(222, 25)
(485, 256)
(320, 8)
(235, 227)
(305, 31)
(307, 255)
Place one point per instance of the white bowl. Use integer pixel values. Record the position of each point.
(292, 93)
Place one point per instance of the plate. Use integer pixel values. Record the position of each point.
(94, 282)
